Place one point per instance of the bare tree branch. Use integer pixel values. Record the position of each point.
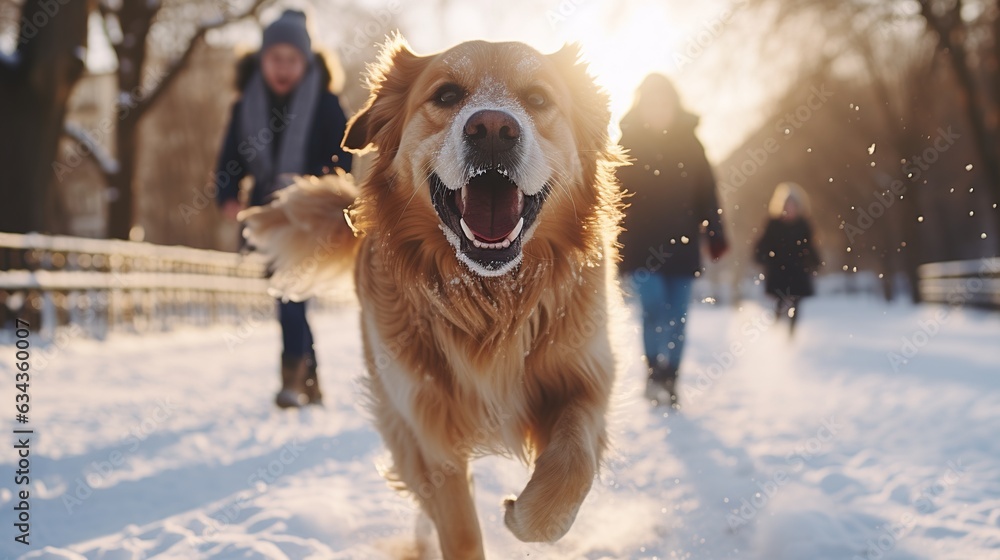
(105, 161)
(177, 67)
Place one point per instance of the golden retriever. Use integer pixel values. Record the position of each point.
(483, 244)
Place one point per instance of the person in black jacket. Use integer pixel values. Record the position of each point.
(287, 122)
(787, 252)
(672, 208)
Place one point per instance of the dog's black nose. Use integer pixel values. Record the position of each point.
(492, 131)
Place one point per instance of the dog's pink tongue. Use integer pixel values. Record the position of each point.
(490, 207)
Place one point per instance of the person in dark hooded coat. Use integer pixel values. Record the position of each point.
(286, 122)
(672, 208)
(787, 252)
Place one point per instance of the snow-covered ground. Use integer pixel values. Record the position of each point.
(824, 447)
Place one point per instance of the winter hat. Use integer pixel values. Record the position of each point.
(289, 28)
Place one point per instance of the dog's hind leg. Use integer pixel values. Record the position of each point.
(442, 488)
(563, 475)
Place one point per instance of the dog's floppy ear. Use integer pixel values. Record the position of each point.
(357, 138)
(379, 122)
(590, 101)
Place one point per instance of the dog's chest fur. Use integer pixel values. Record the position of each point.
(475, 366)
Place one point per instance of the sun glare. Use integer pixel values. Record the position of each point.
(642, 29)
(634, 31)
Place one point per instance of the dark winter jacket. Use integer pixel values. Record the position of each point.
(324, 151)
(673, 194)
(789, 258)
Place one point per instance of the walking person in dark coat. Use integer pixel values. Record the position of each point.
(673, 207)
(787, 251)
(287, 122)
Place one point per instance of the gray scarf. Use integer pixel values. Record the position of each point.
(257, 118)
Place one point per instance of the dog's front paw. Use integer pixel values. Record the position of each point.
(530, 523)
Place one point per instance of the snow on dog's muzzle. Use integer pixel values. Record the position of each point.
(486, 214)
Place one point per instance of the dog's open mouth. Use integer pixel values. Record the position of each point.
(487, 219)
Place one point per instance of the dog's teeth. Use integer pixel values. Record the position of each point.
(520, 201)
(467, 231)
(502, 244)
(517, 231)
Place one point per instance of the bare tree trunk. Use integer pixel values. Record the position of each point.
(34, 90)
(901, 142)
(950, 32)
(136, 19)
(122, 205)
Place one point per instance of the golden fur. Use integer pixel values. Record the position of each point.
(462, 364)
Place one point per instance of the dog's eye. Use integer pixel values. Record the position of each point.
(537, 99)
(448, 95)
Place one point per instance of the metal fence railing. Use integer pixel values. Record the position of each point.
(102, 285)
(975, 282)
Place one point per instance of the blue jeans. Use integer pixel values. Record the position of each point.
(664, 300)
(296, 337)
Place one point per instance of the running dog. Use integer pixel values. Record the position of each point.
(483, 248)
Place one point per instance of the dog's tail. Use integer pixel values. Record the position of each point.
(306, 234)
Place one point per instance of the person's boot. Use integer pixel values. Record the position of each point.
(661, 385)
(313, 394)
(652, 384)
(294, 372)
(670, 397)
